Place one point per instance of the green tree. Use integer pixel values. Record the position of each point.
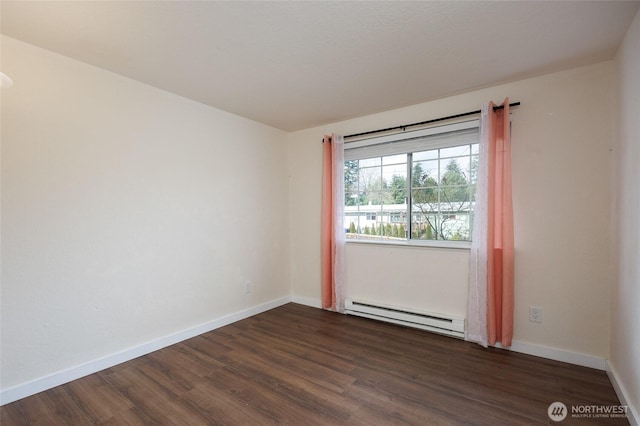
(473, 177)
(387, 230)
(367, 231)
(402, 230)
(429, 232)
(398, 189)
(352, 196)
(378, 192)
(352, 228)
(424, 188)
(473, 172)
(416, 175)
(454, 184)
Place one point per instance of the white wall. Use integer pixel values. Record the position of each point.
(128, 214)
(561, 172)
(625, 316)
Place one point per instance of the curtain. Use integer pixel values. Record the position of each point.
(332, 229)
(491, 268)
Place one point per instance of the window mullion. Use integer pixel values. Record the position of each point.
(409, 197)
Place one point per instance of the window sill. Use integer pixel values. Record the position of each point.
(454, 245)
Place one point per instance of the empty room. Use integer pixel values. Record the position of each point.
(320, 212)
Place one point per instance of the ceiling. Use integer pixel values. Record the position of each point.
(295, 65)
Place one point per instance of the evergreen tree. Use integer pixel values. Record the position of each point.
(429, 232)
(387, 229)
(455, 186)
(473, 177)
(352, 228)
(417, 175)
(424, 187)
(398, 189)
(351, 196)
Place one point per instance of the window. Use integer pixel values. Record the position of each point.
(411, 187)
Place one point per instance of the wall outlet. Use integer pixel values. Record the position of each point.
(248, 287)
(535, 314)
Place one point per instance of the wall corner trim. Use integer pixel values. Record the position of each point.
(52, 380)
(307, 301)
(618, 385)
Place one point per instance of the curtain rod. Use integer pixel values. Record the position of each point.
(435, 120)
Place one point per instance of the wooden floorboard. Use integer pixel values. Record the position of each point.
(297, 365)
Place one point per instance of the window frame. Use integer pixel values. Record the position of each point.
(437, 137)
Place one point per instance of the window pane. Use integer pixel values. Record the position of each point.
(395, 159)
(463, 162)
(441, 226)
(453, 184)
(376, 222)
(473, 170)
(424, 173)
(369, 162)
(396, 170)
(425, 155)
(370, 179)
(442, 192)
(351, 188)
(397, 187)
(455, 151)
(375, 194)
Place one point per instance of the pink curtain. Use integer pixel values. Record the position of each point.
(332, 228)
(490, 310)
(500, 249)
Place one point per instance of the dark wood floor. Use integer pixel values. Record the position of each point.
(303, 366)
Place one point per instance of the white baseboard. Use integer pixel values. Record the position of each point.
(58, 378)
(32, 387)
(621, 391)
(556, 354)
(307, 301)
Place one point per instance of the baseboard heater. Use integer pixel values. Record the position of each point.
(438, 323)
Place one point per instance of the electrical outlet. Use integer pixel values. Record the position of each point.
(535, 314)
(248, 287)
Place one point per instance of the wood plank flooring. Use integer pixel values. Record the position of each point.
(303, 366)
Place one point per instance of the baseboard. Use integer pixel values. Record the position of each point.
(556, 354)
(58, 378)
(307, 301)
(32, 387)
(621, 391)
